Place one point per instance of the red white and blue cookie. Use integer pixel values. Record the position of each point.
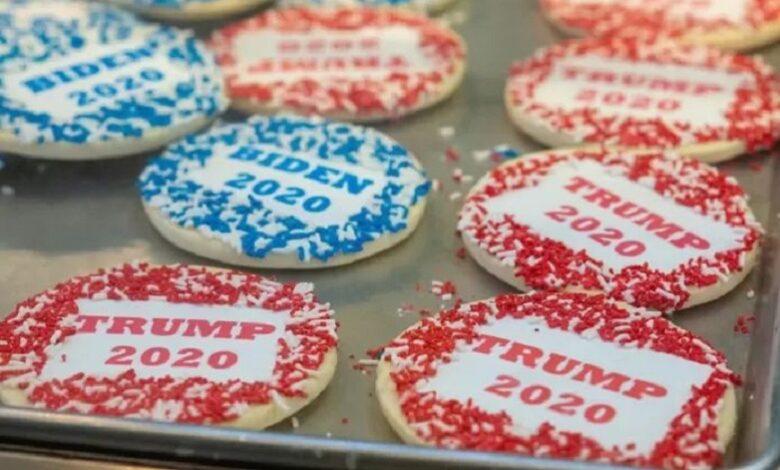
(560, 375)
(86, 81)
(727, 24)
(630, 93)
(285, 192)
(357, 64)
(650, 229)
(170, 343)
(189, 10)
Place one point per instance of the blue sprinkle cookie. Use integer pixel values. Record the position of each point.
(85, 81)
(431, 6)
(189, 10)
(285, 192)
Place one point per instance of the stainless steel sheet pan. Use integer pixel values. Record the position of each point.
(66, 219)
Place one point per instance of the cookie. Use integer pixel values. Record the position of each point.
(650, 229)
(431, 6)
(86, 81)
(354, 64)
(285, 192)
(190, 10)
(169, 343)
(631, 93)
(727, 24)
(560, 375)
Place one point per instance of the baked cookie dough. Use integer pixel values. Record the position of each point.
(350, 64)
(560, 375)
(169, 343)
(650, 229)
(285, 192)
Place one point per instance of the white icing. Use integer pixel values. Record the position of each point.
(531, 206)
(567, 86)
(88, 351)
(643, 421)
(286, 200)
(368, 52)
(85, 83)
(734, 11)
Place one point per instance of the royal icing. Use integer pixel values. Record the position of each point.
(669, 17)
(646, 94)
(647, 228)
(83, 73)
(287, 185)
(172, 343)
(362, 61)
(562, 375)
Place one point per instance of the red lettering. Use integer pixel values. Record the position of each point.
(642, 388)
(553, 364)
(205, 328)
(657, 225)
(595, 375)
(571, 73)
(90, 322)
(602, 197)
(488, 342)
(691, 240)
(668, 85)
(602, 76)
(530, 354)
(704, 88)
(166, 326)
(134, 326)
(628, 210)
(578, 182)
(250, 330)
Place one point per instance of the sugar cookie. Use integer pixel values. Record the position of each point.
(631, 93)
(285, 192)
(560, 375)
(650, 229)
(190, 10)
(85, 81)
(727, 24)
(170, 343)
(355, 64)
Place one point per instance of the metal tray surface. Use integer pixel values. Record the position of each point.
(67, 219)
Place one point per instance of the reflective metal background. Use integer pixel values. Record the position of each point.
(68, 219)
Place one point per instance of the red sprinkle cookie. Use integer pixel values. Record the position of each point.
(630, 93)
(560, 375)
(169, 343)
(728, 24)
(649, 229)
(359, 64)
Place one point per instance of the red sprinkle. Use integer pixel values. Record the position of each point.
(744, 324)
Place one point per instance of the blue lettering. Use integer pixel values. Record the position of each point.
(85, 70)
(354, 184)
(293, 165)
(39, 84)
(320, 174)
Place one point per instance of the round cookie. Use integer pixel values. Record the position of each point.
(189, 10)
(726, 24)
(633, 93)
(353, 64)
(86, 81)
(650, 229)
(560, 375)
(430, 6)
(170, 343)
(285, 192)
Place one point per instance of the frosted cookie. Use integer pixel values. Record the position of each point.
(190, 10)
(563, 375)
(169, 343)
(358, 64)
(85, 81)
(652, 229)
(432, 6)
(629, 93)
(285, 192)
(728, 24)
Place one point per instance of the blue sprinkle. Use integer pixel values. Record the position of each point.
(505, 151)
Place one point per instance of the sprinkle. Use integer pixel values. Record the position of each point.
(447, 132)
(751, 293)
(6, 190)
(455, 195)
(444, 290)
(744, 324)
(451, 154)
(295, 423)
(460, 253)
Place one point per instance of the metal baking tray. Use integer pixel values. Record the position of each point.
(73, 218)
